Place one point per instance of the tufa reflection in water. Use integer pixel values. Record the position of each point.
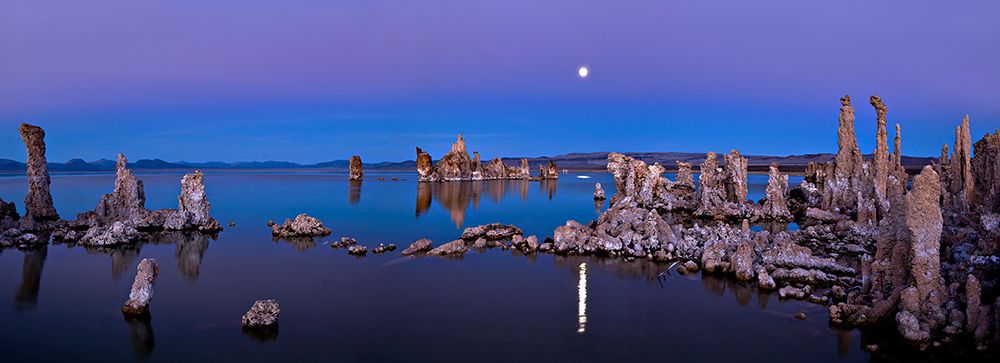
(190, 250)
(581, 292)
(140, 330)
(31, 278)
(457, 196)
(354, 192)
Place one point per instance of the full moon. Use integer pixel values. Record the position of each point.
(583, 72)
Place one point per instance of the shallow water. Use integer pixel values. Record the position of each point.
(62, 303)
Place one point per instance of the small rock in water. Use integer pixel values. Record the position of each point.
(598, 192)
(302, 226)
(233, 224)
(871, 347)
(800, 316)
(456, 247)
(344, 242)
(142, 288)
(357, 250)
(263, 313)
(420, 246)
(383, 248)
(391, 247)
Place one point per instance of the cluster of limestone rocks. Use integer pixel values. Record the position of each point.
(878, 251)
(119, 218)
(457, 165)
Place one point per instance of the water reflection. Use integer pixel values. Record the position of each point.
(190, 250)
(548, 185)
(456, 197)
(354, 192)
(299, 244)
(581, 308)
(31, 278)
(140, 331)
(262, 334)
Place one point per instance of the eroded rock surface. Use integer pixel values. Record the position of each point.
(775, 205)
(302, 226)
(453, 248)
(418, 247)
(193, 211)
(142, 288)
(356, 170)
(598, 192)
(39, 211)
(263, 313)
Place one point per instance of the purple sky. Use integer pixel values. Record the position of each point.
(312, 81)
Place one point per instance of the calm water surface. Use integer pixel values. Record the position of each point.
(62, 303)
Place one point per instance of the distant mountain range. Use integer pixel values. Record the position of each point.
(573, 161)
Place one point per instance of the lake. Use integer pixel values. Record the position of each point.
(63, 303)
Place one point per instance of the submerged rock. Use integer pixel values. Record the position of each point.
(263, 313)
(302, 226)
(420, 246)
(142, 288)
(39, 211)
(356, 169)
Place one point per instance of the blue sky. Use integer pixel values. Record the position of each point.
(312, 81)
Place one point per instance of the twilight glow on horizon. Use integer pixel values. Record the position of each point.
(311, 81)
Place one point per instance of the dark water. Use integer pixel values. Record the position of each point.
(62, 303)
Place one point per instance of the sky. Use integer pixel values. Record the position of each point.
(312, 81)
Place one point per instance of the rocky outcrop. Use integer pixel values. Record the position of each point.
(39, 211)
(736, 177)
(492, 231)
(116, 233)
(302, 226)
(425, 167)
(193, 210)
(598, 192)
(418, 247)
(495, 170)
(775, 205)
(718, 192)
(456, 165)
(127, 203)
(921, 312)
(263, 313)
(986, 171)
(897, 150)
(548, 172)
(881, 156)
(357, 171)
(453, 248)
(520, 172)
(645, 185)
(849, 175)
(9, 218)
(960, 182)
(142, 288)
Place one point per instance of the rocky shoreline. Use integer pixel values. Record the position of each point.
(456, 165)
